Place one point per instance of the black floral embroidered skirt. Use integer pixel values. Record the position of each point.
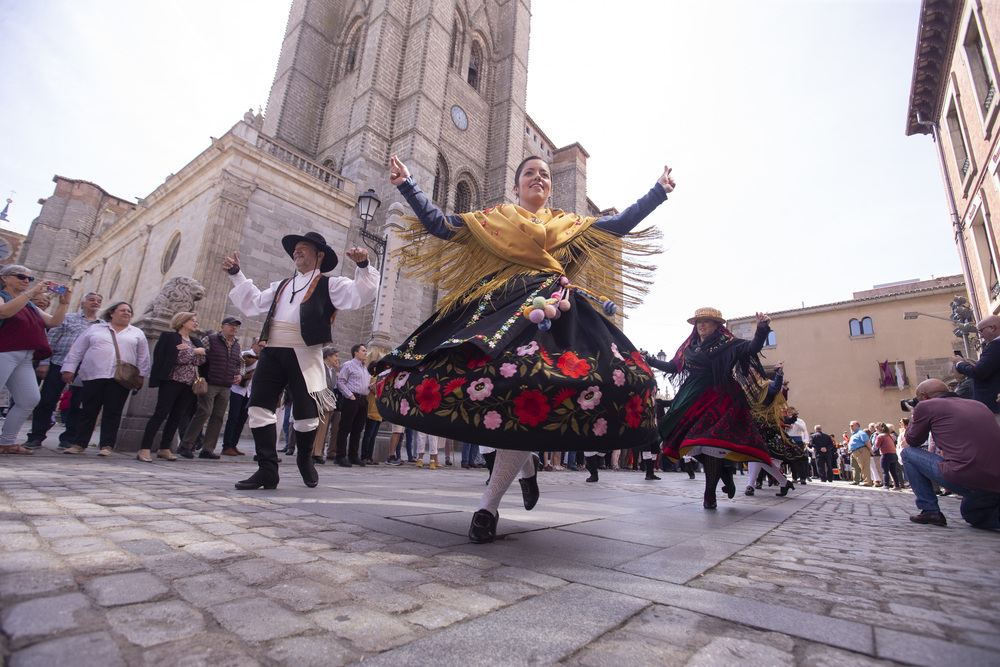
(486, 375)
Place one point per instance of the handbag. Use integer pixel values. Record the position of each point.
(199, 385)
(126, 374)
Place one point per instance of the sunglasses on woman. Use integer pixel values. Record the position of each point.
(21, 276)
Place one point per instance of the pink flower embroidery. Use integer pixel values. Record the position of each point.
(400, 381)
(590, 397)
(481, 389)
(492, 420)
(601, 426)
(508, 370)
(614, 351)
(530, 348)
(619, 377)
(404, 407)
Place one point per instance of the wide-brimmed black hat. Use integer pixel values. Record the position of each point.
(329, 256)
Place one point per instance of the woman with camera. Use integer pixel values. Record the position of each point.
(97, 354)
(22, 341)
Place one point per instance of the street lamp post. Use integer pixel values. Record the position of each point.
(368, 204)
(963, 331)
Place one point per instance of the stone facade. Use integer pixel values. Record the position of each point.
(831, 351)
(954, 97)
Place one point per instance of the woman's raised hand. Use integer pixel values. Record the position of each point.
(763, 319)
(666, 180)
(398, 173)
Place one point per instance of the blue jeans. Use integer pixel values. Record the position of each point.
(469, 453)
(979, 508)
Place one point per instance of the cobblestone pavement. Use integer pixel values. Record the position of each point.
(116, 562)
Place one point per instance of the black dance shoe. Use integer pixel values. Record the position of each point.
(785, 489)
(709, 504)
(748, 491)
(253, 482)
(529, 491)
(484, 527)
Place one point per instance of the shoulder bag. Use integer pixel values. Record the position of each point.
(200, 385)
(126, 374)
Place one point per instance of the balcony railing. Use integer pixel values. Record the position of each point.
(300, 162)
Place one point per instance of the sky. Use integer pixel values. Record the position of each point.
(783, 121)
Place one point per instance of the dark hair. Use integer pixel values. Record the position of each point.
(520, 167)
(106, 316)
(355, 348)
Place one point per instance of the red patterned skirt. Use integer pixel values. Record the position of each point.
(486, 375)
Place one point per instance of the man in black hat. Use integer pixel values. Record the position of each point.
(300, 311)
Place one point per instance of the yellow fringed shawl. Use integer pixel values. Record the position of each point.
(499, 244)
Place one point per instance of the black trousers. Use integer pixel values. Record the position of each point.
(824, 463)
(353, 415)
(104, 394)
(173, 399)
(277, 369)
(238, 407)
(50, 393)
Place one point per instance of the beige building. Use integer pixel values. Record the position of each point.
(832, 353)
(953, 96)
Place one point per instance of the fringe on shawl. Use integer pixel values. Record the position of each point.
(325, 399)
(604, 263)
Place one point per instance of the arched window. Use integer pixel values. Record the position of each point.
(475, 65)
(170, 254)
(862, 328)
(114, 283)
(352, 54)
(463, 198)
(440, 191)
(771, 340)
(457, 42)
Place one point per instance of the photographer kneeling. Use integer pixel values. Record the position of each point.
(966, 435)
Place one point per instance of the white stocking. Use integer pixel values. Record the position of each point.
(754, 468)
(506, 466)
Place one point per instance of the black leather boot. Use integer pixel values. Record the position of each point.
(490, 457)
(592, 467)
(649, 469)
(304, 460)
(529, 491)
(265, 441)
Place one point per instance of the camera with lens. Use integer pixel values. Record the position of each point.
(908, 404)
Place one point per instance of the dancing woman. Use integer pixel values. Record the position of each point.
(710, 417)
(517, 357)
(767, 410)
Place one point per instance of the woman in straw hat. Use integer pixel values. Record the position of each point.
(710, 417)
(517, 356)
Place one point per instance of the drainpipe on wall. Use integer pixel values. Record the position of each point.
(956, 221)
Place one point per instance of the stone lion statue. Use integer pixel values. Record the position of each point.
(178, 294)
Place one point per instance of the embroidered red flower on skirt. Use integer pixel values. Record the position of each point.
(531, 407)
(562, 395)
(633, 411)
(572, 365)
(478, 361)
(637, 358)
(429, 394)
(453, 385)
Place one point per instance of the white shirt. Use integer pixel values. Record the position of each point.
(345, 293)
(798, 429)
(94, 352)
(250, 365)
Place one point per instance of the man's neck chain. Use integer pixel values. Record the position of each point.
(296, 291)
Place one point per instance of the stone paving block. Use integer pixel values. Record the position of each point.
(130, 533)
(305, 594)
(215, 551)
(176, 564)
(100, 562)
(277, 533)
(366, 629)
(530, 577)
(8, 527)
(35, 583)
(459, 598)
(252, 540)
(397, 574)
(146, 547)
(45, 616)
(130, 588)
(68, 529)
(104, 522)
(21, 561)
(508, 591)
(328, 573)
(96, 648)
(18, 542)
(79, 545)
(203, 650)
(286, 555)
(726, 650)
(626, 652)
(156, 623)
(311, 652)
(432, 616)
(382, 597)
(204, 590)
(222, 529)
(259, 620)
(256, 570)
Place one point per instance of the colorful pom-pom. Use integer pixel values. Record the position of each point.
(537, 316)
(550, 311)
(564, 281)
(545, 324)
(538, 302)
(610, 308)
(564, 305)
